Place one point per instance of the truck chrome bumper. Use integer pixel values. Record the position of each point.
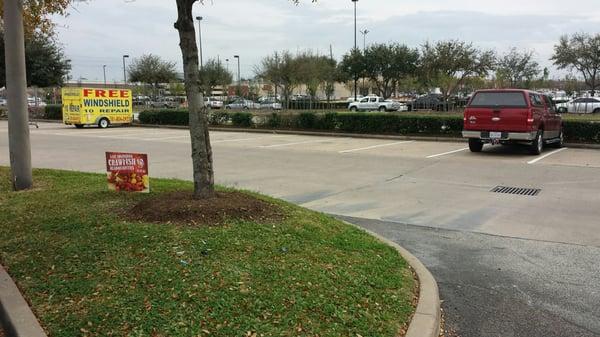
(519, 136)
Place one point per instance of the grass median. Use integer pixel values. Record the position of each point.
(89, 271)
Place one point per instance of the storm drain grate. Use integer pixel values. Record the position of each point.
(531, 192)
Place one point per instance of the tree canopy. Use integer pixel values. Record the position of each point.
(152, 70)
(214, 74)
(448, 64)
(44, 59)
(387, 64)
(37, 14)
(517, 69)
(580, 52)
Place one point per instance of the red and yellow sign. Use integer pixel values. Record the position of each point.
(127, 172)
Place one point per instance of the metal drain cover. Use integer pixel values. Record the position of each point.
(531, 192)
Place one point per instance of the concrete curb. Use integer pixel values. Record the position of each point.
(16, 316)
(427, 318)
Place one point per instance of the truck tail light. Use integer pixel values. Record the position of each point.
(530, 116)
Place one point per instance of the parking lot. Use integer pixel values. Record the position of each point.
(436, 184)
(499, 256)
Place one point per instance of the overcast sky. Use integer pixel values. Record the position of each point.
(101, 31)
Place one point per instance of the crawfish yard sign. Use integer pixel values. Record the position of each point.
(127, 172)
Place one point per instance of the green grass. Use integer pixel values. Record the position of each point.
(89, 273)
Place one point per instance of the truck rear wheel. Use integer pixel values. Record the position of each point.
(475, 145)
(103, 123)
(537, 146)
(381, 109)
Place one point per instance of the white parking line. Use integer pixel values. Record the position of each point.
(241, 139)
(165, 138)
(376, 146)
(447, 153)
(545, 156)
(292, 144)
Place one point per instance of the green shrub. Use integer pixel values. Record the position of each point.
(274, 120)
(306, 121)
(53, 111)
(218, 117)
(366, 123)
(241, 119)
(165, 117)
(582, 131)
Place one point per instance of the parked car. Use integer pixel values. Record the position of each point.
(582, 106)
(32, 102)
(164, 102)
(3, 102)
(242, 104)
(271, 104)
(428, 102)
(140, 100)
(371, 103)
(213, 103)
(512, 116)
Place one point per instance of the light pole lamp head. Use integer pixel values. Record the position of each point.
(355, 1)
(199, 18)
(125, 56)
(236, 56)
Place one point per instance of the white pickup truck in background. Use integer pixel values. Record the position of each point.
(372, 103)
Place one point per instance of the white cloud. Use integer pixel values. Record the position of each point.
(100, 31)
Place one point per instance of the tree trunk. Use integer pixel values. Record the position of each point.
(202, 161)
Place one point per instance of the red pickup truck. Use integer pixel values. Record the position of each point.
(512, 116)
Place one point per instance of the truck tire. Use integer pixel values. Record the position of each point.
(382, 109)
(475, 145)
(560, 143)
(353, 109)
(597, 111)
(103, 123)
(79, 126)
(537, 146)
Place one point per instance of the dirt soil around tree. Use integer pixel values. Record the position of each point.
(181, 208)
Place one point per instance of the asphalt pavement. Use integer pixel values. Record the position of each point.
(503, 287)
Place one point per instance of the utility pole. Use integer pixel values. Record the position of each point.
(364, 34)
(239, 75)
(355, 50)
(16, 94)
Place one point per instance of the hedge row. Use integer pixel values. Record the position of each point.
(53, 111)
(582, 131)
(364, 123)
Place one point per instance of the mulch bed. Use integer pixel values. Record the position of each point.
(181, 208)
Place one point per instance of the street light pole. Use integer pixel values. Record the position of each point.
(199, 18)
(227, 61)
(104, 71)
(364, 33)
(239, 75)
(125, 70)
(355, 75)
(16, 94)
